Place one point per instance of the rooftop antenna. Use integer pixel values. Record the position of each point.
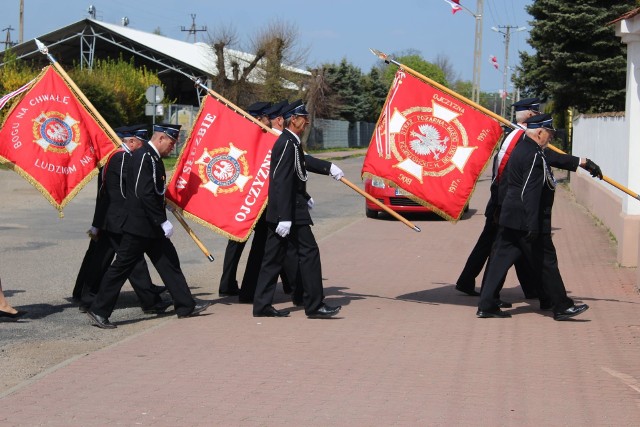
(125, 21)
(193, 30)
(92, 11)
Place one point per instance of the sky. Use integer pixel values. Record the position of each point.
(330, 29)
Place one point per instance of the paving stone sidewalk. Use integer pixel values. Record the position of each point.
(407, 349)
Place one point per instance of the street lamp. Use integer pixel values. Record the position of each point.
(507, 35)
(477, 50)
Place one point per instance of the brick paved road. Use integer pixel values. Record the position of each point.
(407, 349)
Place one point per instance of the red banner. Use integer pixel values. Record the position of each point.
(221, 178)
(52, 140)
(431, 144)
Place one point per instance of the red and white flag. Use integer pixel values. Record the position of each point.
(430, 144)
(455, 5)
(221, 178)
(494, 61)
(51, 139)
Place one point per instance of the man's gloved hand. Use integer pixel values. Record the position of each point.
(335, 172)
(310, 203)
(531, 236)
(593, 169)
(283, 228)
(167, 227)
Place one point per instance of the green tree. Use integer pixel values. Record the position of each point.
(418, 64)
(375, 94)
(346, 83)
(116, 88)
(579, 61)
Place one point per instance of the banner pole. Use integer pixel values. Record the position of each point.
(190, 232)
(369, 197)
(490, 113)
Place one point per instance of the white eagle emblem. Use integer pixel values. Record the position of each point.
(428, 141)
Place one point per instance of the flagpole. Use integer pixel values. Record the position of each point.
(372, 199)
(490, 113)
(181, 220)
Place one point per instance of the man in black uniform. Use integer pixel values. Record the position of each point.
(146, 230)
(107, 222)
(529, 281)
(525, 224)
(524, 109)
(289, 221)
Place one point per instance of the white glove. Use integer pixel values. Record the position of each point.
(310, 203)
(283, 228)
(167, 227)
(94, 231)
(335, 172)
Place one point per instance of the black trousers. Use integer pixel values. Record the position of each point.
(541, 255)
(139, 278)
(165, 259)
(480, 255)
(304, 246)
(90, 263)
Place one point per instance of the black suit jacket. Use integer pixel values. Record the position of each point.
(110, 206)
(145, 207)
(529, 189)
(287, 192)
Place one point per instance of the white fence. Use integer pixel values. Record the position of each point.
(603, 139)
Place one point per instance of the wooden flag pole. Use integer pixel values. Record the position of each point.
(490, 113)
(181, 220)
(369, 197)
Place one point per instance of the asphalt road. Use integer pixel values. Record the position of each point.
(41, 255)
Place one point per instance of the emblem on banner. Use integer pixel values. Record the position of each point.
(223, 170)
(429, 141)
(56, 132)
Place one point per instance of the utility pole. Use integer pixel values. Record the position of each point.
(507, 37)
(477, 54)
(477, 50)
(193, 30)
(21, 24)
(8, 43)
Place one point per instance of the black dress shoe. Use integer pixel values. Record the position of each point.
(229, 293)
(324, 311)
(99, 321)
(158, 308)
(486, 314)
(471, 292)
(570, 312)
(270, 311)
(199, 308)
(11, 317)
(504, 304)
(158, 289)
(82, 308)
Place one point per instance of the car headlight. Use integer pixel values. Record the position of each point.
(377, 182)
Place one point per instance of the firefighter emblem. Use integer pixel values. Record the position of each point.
(223, 170)
(56, 132)
(429, 141)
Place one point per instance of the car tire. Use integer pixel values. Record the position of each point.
(370, 213)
